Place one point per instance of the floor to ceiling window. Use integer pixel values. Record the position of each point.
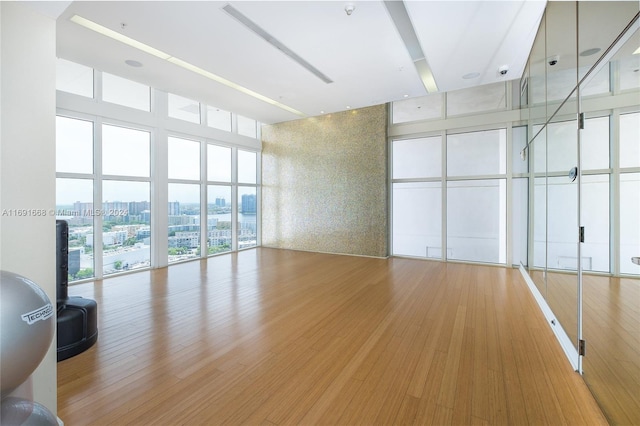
(476, 196)
(219, 198)
(184, 199)
(126, 198)
(128, 186)
(247, 199)
(75, 182)
(449, 188)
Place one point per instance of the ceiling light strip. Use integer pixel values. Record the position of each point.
(179, 62)
(231, 84)
(262, 33)
(400, 17)
(119, 37)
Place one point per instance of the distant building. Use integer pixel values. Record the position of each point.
(184, 220)
(185, 239)
(74, 261)
(109, 238)
(174, 208)
(81, 209)
(219, 237)
(138, 207)
(142, 233)
(249, 205)
(221, 202)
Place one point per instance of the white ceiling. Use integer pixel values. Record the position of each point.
(362, 53)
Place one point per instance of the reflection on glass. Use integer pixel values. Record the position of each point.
(628, 74)
(125, 152)
(560, 153)
(537, 74)
(540, 223)
(74, 203)
(74, 78)
(519, 218)
(74, 145)
(125, 92)
(417, 219)
(184, 159)
(562, 146)
(184, 109)
(218, 163)
(538, 150)
(594, 141)
(562, 222)
(126, 225)
(247, 211)
(219, 223)
(417, 158)
(598, 84)
(560, 36)
(247, 166)
(629, 137)
(595, 219)
(218, 118)
(629, 222)
(477, 153)
(519, 164)
(184, 221)
(476, 220)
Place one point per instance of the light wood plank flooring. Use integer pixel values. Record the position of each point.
(274, 337)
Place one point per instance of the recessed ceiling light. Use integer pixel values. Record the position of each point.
(471, 75)
(321, 112)
(637, 52)
(405, 96)
(348, 107)
(590, 52)
(349, 8)
(133, 63)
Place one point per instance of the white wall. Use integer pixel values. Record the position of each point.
(27, 161)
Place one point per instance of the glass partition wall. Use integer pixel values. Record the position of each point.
(582, 107)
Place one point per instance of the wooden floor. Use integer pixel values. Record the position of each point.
(274, 337)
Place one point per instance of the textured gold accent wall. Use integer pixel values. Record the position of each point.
(324, 183)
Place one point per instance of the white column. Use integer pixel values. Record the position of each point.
(27, 161)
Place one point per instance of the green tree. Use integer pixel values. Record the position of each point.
(219, 249)
(175, 251)
(84, 273)
(117, 264)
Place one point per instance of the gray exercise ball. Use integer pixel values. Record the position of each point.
(28, 321)
(24, 412)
